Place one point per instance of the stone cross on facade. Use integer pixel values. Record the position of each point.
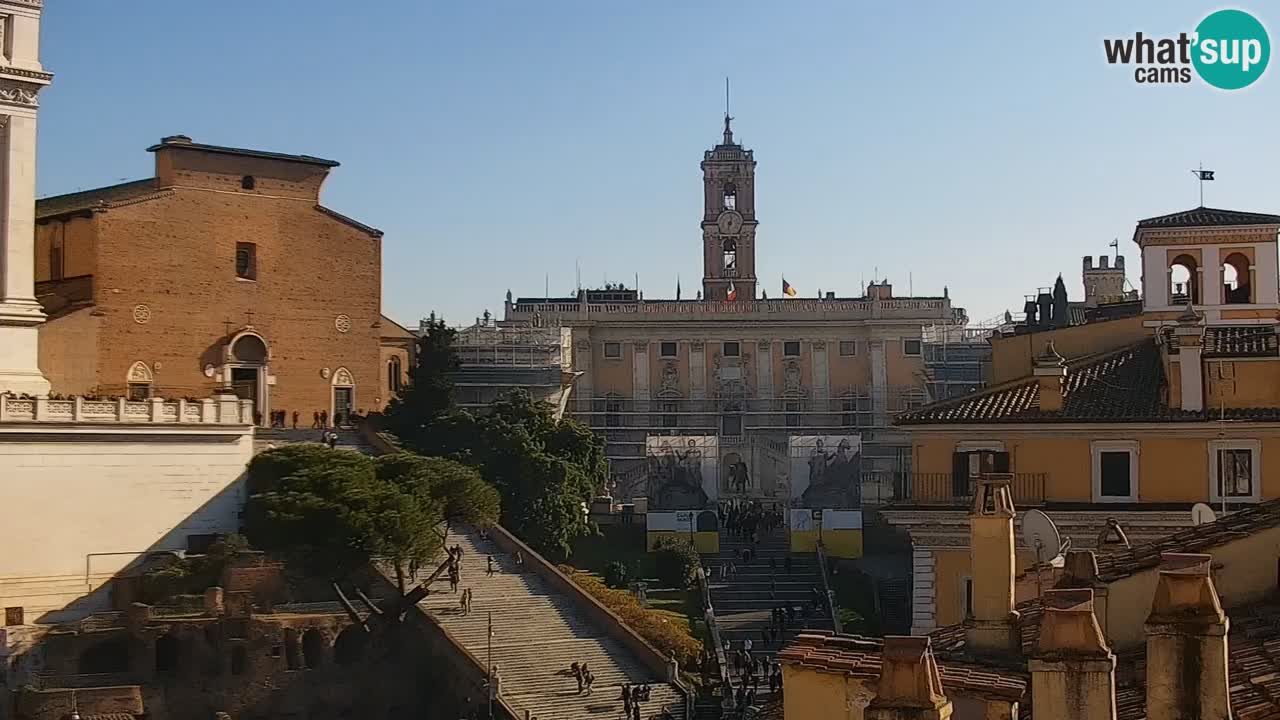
(21, 79)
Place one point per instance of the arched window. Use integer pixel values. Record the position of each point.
(1184, 281)
(140, 381)
(247, 182)
(394, 374)
(730, 196)
(1236, 286)
(730, 249)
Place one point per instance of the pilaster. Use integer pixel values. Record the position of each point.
(640, 376)
(764, 369)
(821, 371)
(697, 370)
(585, 386)
(879, 383)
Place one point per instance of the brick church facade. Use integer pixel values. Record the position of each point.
(222, 269)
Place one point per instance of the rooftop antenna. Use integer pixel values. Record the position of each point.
(577, 269)
(546, 285)
(1041, 534)
(728, 133)
(1203, 176)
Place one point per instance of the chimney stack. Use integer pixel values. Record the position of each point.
(1051, 371)
(1073, 670)
(1188, 334)
(1080, 571)
(993, 627)
(910, 687)
(1187, 643)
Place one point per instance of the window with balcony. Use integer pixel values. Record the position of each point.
(613, 351)
(791, 348)
(667, 350)
(1233, 470)
(848, 348)
(1115, 471)
(730, 349)
(968, 464)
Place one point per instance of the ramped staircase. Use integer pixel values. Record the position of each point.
(743, 603)
(537, 634)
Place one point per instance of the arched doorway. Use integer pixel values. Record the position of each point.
(344, 397)
(246, 358)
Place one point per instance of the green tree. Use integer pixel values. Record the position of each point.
(333, 512)
(676, 562)
(429, 396)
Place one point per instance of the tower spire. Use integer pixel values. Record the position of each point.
(728, 132)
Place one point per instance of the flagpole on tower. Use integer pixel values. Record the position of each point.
(1203, 176)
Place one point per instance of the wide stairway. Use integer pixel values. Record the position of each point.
(743, 603)
(537, 634)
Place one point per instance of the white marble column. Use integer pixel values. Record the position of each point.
(21, 79)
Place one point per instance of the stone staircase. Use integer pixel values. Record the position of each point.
(743, 603)
(537, 634)
(267, 438)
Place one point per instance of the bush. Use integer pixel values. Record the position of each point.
(616, 574)
(676, 562)
(661, 630)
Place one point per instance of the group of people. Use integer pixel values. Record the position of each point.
(319, 419)
(583, 675)
(749, 519)
(631, 699)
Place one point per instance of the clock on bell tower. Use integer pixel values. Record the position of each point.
(729, 220)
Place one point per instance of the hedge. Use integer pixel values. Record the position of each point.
(654, 626)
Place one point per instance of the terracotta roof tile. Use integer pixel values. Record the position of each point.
(860, 657)
(1205, 216)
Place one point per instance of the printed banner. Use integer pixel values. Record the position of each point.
(682, 471)
(825, 470)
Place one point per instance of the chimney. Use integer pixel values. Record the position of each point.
(993, 627)
(1188, 335)
(1080, 570)
(910, 687)
(1187, 643)
(1073, 670)
(1051, 370)
(175, 140)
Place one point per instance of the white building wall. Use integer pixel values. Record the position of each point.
(81, 503)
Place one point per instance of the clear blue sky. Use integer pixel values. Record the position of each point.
(983, 146)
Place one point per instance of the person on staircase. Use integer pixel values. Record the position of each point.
(626, 700)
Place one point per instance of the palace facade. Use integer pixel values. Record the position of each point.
(740, 374)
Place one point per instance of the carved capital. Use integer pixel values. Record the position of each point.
(819, 345)
(764, 345)
(641, 345)
(695, 345)
(583, 345)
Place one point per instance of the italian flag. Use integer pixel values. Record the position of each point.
(733, 292)
(787, 289)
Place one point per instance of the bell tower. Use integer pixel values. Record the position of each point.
(728, 220)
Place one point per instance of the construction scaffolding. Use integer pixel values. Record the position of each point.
(957, 358)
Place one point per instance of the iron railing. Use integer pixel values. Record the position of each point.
(955, 489)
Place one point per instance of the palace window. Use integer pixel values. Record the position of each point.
(730, 196)
(613, 351)
(730, 349)
(247, 182)
(669, 417)
(667, 350)
(791, 348)
(731, 425)
(973, 459)
(792, 408)
(910, 348)
(139, 391)
(1115, 471)
(1233, 470)
(246, 261)
(848, 348)
(730, 248)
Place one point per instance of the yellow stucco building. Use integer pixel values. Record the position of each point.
(1134, 419)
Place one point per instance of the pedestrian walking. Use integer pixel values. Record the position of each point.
(489, 571)
(324, 418)
(295, 419)
(462, 603)
(577, 675)
(519, 561)
(787, 564)
(315, 422)
(626, 700)
(773, 589)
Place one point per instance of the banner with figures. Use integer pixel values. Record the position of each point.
(825, 470)
(683, 470)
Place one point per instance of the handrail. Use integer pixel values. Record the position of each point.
(713, 628)
(826, 586)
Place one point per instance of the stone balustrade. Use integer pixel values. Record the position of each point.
(648, 310)
(218, 410)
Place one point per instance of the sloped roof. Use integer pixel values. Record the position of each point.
(90, 199)
(181, 142)
(1206, 216)
(860, 657)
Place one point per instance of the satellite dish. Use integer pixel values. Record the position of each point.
(1201, 514)
(1040, 534)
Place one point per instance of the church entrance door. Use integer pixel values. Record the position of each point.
(244, 383)
(343, 400)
